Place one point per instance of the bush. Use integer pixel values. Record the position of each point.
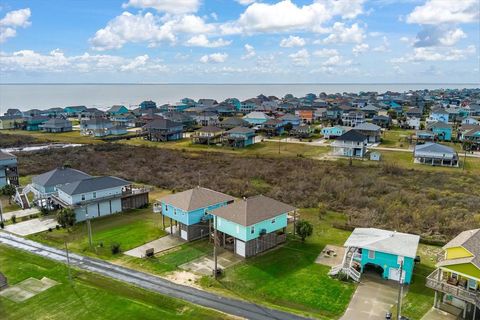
(44, 211)
(2, 225)
(66, 217)
(304, 229)
(115, 248)
(14, 219)
(57, 227)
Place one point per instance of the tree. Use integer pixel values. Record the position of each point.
(66, 217)
(9, 191)
(288, 127)
(304, 229)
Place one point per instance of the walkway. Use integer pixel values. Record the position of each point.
(435, 314)
(150, 282)
(373, 298)
(20, 213)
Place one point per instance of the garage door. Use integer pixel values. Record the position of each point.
(394, 274)
(183, 234)
(240, 247)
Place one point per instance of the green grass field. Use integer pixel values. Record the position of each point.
(396, 138)
(288, 278)
(64, 137)
(90, 297)
(130, 229)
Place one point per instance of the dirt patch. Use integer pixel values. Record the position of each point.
(331, 256)
(185, 278)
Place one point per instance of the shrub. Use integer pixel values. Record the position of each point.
(44, 211)
(66, 217)
(304, 229)
(14, 219)
(115, 248)
(2, 225)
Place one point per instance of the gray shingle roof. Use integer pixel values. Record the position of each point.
(196, 198)
(250, 211)
(432, 147)
(57, 123)
(210, 129)
(162, 124)
(240, 130)
(59, 176)
(352, 135)
(93, 184)
(367, 127)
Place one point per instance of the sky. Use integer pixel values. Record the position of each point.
(239, 41)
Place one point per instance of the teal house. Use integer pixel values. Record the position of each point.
(189, 211)
(390, 254)
(239, 137)
(117, 110)
(35, 123)
(256, 118)
(441, 130)
(333, 132)
(252, 225)
(74, 111)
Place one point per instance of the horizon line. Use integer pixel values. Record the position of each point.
(242, 83)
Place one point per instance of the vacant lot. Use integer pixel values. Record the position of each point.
(433, 203)
(90, 296)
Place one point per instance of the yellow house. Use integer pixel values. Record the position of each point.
(457, 278)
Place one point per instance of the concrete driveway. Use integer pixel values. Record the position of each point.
(159, 245)
(435, 314)
(205, 265)
(373, 298)
(31, 226)
(20, 213)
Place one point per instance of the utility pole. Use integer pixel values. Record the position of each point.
(1, 211)
(464, 160)
(215, 271)
(280, 138)
(400, 292)
(68, 263)
(89, 231)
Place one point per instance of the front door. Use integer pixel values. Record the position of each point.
(240, 247)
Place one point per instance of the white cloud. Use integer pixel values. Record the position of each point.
(446, 11)
(13, 20)
(169, 6)
(56, 61)
(441, 35)
(202, 41)
(292, 41)
(245, 2)
(384, 47)
(435, 54)
(214, 58)
(286, 16)
(300, 58)
(341, 33)
(249, 52)
(336, 61)
(131, 28)
(325, 53)
(135, 63)
(360, 48)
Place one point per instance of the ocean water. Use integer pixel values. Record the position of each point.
(102, 96)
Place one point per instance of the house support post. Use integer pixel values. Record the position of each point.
(474, 311)
(171, 226)
(294, 222)
(209, 230)
(215, 248)
(464, 312)
(163, 222)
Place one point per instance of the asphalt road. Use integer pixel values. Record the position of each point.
(149, 282)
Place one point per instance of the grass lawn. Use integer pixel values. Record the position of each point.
(288, 278)
(419, 298)
(396, 138)
(65, 137)
(7, 206)
(130, 229)
(90, 297)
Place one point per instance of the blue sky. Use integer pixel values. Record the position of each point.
(243, 41)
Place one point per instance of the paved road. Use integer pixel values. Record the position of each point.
(150, 282)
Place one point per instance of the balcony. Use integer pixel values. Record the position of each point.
(435, 282)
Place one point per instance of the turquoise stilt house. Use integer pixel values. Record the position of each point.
(388, 253)
(189, 211)
(252, 225)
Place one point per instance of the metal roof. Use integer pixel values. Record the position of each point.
(59, 176)
(93, 184)
(392, 242)
(196, 198)
(352, 135)
(250, 211)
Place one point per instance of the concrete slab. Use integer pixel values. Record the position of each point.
(32, 226)
(20, 213)
(159, 245)
(205, 265)
(27, 288)
(373, 298)
(436, 314)
(331, 255)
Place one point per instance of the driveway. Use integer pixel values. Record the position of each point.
(205, 265)
(159, 245)
(373, 298)
(31, 226)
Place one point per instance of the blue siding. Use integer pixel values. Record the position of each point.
(387, 261)
(245, 233)
(188, 217)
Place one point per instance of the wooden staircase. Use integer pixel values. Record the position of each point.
(3, 282)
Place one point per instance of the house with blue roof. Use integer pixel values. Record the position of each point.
(252, 225)
(74, 111)
(190, 211)
(117, 110)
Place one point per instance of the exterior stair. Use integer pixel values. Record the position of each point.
(21, 198)
(346, 267)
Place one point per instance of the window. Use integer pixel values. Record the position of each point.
(94, 195)
(83, 197)
(174, 211)
(252, 230)
(371, 254)
(273, 220)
